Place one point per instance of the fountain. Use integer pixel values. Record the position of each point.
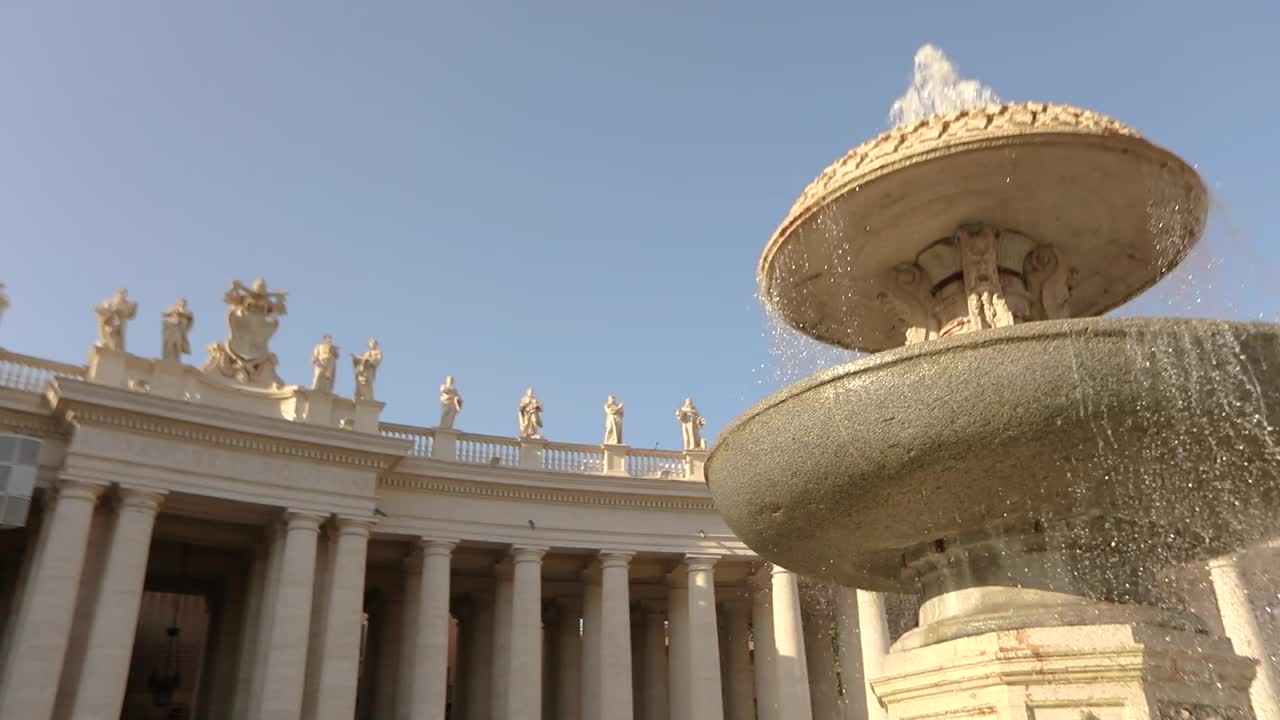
(1031, 470)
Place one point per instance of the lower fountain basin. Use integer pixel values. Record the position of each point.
(1167, 425)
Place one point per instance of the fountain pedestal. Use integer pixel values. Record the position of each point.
(1091, 672)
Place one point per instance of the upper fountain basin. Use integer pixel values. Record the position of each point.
(1118, 209)
(1167, 423)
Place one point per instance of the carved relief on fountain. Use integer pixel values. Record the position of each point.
(979, 278)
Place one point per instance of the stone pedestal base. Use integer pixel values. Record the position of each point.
(1091, 672)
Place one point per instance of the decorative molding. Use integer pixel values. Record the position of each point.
(79, 414)
(39, 426)
(546, 495)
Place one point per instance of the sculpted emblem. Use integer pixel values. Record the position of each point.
(253, 315)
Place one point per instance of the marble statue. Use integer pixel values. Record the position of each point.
(530, 416)
(324, 362)
(113, 314)
(450, 403)
(366, 366)
(612, 421)
(178, 320)
(4, 300)
(253, 315)
(691, 424)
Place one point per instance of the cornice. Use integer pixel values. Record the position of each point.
(40, 426)
(455, 486)
(81, 404)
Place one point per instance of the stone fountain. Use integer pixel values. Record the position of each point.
(1031, 470)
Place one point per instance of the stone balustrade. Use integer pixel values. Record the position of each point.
(32, 374)
(26, 373)
(536, 454)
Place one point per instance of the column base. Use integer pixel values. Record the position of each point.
(1083, 672)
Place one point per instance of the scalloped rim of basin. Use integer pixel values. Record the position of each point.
(1085, 182)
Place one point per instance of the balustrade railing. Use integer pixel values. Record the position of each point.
(488, 450)
(561, 457)
(655, 464)
(32, 374)
(420, 437)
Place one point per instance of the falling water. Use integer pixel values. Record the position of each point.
(1207, 406)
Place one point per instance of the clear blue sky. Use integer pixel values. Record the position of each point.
(571, 195)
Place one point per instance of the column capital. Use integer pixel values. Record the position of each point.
(696, 563)
(74, 489)
(775, 570)
(141, 499)
(615, 558)
(527, 553)
(354, 525)
(303, 520)
(434, 547)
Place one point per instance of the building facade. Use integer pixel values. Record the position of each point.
(207, 543)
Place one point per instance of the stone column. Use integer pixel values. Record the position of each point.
(706, 700)
(592, 597)
(479, 670)
(389, 631)
(656, 705)
(569, 678)
(250, 630)
(339, 640)
(406, 687)
(766, 655)
(501, 654)
(873, 628)
(1241, 626)
(820, 657)
(615, 637)
(849, 645)
(284, 666)
(38, 640)
(431, 649)
(637, 662)
(739, 681)
(788, 638)
(524, 665)
(100, 692)
(678, 651)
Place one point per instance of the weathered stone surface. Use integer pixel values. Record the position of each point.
(1117, 208)
(1167, 423)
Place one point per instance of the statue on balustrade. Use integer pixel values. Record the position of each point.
(450, 403)
(178, 320)
(691, 424)
(612, 421)
(324, 363)
(366, 366)
(4, 300)
(530, 416)
(253, 316)
(113, 315)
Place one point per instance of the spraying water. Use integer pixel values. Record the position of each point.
(936, 89)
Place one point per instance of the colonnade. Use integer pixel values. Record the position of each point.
(291, 642)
